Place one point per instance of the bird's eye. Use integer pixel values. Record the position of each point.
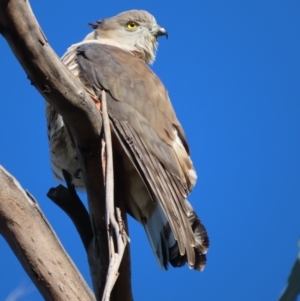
(132, 25)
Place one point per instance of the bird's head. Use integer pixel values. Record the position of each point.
(135, 31)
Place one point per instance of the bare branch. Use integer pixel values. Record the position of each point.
(66, 94)
(33, 241)
(117, 237)
(68, 200)
(57, 85)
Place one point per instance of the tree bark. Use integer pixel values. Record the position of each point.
(66, 94)
(33, 241)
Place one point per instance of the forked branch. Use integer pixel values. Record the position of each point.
(69, 98)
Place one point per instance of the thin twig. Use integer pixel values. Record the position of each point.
(109, 178)
(114, 228)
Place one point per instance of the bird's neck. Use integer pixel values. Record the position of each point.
(93, 36)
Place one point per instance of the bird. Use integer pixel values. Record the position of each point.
(148, 140)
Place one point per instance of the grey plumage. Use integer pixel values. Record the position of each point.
(147, 135)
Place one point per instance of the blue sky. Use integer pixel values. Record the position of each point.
(232, 69)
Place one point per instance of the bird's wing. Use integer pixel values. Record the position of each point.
(143, 119)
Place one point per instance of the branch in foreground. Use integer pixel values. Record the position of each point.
(33, 241)
(66, 94)
(117, 237)
(68, 200)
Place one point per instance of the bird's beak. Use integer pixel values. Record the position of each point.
(159, 31)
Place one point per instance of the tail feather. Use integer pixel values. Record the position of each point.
(200, 248)
(165, 246)
(160, 236)
(200, 234)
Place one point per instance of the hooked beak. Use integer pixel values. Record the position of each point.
(158, 31)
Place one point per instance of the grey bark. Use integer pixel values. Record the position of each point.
(30, 236)
(66, 94)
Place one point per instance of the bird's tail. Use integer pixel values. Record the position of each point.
(165, 246)
(200, 246)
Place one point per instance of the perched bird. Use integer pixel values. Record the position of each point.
(152, 150)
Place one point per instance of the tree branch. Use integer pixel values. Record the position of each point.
(66, 94)
(292, 290)
(117, 237)
(57, 85)
(68, 200)
(33, 241)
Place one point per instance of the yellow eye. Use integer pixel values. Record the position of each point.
(131, 25)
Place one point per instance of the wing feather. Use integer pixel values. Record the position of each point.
(145, 123)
